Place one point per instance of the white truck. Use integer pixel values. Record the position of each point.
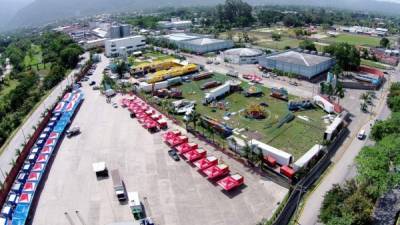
(135, 205)
(118, 184)
(216, 93)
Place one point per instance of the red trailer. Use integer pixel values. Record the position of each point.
(205, 163)
(186, 147)
(170, 134)
(271, 161)
(287, 171)
(216, 171)
(230, 182)
(195, 154)
(177, 140)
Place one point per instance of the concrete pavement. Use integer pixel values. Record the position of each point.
(25, 129)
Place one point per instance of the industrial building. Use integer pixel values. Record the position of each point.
(119, 31)
(299, 63)
(174, 23)
(198, 44)
(242, 55)
(124, 46)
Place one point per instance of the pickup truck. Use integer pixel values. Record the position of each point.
(119, 186)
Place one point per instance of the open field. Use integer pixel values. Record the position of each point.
(173, 193)
(296, 137)
(354, 39)
(34, 56)
(285, 42)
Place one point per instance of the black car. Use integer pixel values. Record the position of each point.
(73, 132)
(174, 154)
(92, 83)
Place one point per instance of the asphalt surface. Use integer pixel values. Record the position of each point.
(20, 136)
(173, 193)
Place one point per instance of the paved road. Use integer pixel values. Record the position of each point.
(344, 167)
(19, 138)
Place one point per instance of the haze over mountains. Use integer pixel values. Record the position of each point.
(20, 13)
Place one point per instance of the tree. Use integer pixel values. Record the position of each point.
(384, 43)
(308, 45)
(276, 37)
(346, 55)
(385, 128)
(121, 68)
(56, 74)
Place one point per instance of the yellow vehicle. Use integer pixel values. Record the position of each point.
(154, 66)
(173, 72)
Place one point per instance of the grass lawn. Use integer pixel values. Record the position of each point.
(296, 137)
(354, 39)
(33, 56)
(279, 45)
(373, 64)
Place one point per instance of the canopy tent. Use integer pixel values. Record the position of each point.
(54, 135)
(177, 140)
(195, 154)
(25, 198)
(186, 147)
(51, 142)
(216, 171)
(42, 158)
(38, 167)
(207, 162)
(171, 134)
(59, 108)
(67, 97)
(34, 176)
(156, 116)
(22, 176)
(29, 187)
(162, 123)
(230, 182)
(47, 150)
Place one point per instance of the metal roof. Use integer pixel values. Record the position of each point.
(244, 52)
(205, 41)
(299, 58)
(180, 37)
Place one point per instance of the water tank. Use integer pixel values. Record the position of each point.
(125, 30)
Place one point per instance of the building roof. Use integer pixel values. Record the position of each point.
(205, 41)
(299, 58)
(180, 37)
(244, 52)
(125, 38)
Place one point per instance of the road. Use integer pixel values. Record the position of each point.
(23, 131)
(344, 166)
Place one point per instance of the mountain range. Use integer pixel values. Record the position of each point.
(43, 11)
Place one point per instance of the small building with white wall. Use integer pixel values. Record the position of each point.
(122, 46)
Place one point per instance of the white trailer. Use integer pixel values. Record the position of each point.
(324, 104)
(146, 87)
(306, 158)
(217, 92)
(118, 185)
(135, 205)
(282, 158)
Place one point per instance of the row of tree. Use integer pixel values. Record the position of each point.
(377, 172)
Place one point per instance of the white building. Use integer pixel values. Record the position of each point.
(96, 43)
(175, 23)
(242, 55)
(124, 46)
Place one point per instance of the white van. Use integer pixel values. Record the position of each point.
(361, 134)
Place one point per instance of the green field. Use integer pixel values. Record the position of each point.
(354, 39)
(295, 137)
(279, 45)
(33, 56)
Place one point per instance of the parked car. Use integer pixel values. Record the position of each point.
(173, 154)
(73, 132)
(95, 88)
(361, 135)
(92, 83)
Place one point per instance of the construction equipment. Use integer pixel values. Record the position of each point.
(280, 93)
(172, 72)
(253, 91)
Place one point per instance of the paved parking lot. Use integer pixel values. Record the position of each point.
(172, 192)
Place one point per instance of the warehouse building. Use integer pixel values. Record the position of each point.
(242, 55)
(299, 63)
(198, 44)
(124, 46)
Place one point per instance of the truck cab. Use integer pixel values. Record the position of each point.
(119, 186)
(135, 205)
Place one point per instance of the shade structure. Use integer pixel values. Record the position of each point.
(150, 124)
(195, 154)
(42, 158)
(230, 182)
(51, 142)
(156, 116)
(34, 176)
(171, 134)
(38, 167)
(186, 147)
(150, 112)
(177, 140)
(22, 176)
(25, 198)
(216, 171)
(54, 135)
(76, 96)
(47, 150)
(59, 107)
(67, 97)
(207, 162)
(29, 187)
